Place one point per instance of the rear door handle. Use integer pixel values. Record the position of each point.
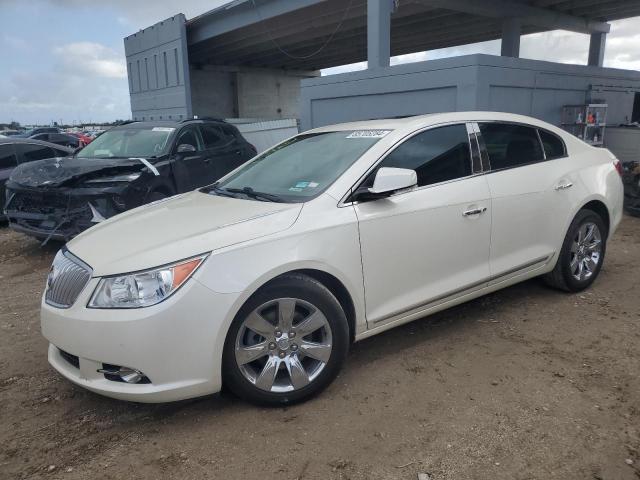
(564, 186)
(475, 211)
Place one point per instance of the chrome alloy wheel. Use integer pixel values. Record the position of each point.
(283, 345)
(586, 251)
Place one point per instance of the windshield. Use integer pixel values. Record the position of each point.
(128, 142)
(302, 167)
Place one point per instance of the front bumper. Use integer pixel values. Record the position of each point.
(58, 214)
(176, 344)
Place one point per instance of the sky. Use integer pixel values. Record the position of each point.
(63, 60)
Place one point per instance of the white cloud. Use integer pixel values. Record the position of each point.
(92, 59)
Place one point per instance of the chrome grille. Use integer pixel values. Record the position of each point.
(67, 277)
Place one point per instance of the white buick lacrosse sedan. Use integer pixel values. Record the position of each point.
(261, 281)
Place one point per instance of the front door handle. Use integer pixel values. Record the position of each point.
(564, 186)
(475, 211)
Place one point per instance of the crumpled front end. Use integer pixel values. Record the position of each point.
(59, 214)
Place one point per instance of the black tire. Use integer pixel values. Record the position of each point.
(561, 277)
(303, 289)
(155, 196)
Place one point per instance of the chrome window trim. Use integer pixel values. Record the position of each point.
(343, 201)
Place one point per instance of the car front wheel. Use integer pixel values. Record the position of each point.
(287, 343)
(582, 253)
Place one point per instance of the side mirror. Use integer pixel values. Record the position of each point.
(389, 180)
(186, 148)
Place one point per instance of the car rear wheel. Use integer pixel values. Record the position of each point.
(287, 343)
(582, 254)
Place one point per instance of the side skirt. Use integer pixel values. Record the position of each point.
(469, 292)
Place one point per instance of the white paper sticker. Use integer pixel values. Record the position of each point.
(163, 129)
(369, 134)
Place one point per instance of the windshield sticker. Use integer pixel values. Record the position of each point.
(162, 129)
(313, 184)
(295, 189)
(369, 134)
(302, 185)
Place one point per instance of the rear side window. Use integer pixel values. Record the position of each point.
(437, 155)
(7, 157)
(212, 136)
(510, 145)
(231, 133)
(552, 144)
(31, 152)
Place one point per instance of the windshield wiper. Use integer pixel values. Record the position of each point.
(219, 191)
(250, 192)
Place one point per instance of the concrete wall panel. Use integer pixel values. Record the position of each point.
(471, 82)
(157, 65)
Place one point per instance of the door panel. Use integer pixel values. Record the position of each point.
(419, 246)
(528, 212)
(223, 149)
(193, 168)
(7, 163)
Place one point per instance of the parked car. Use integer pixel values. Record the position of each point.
(19, 151)
(35, 131)
(631, 180)
(263, 279)
(125, 167)
(84, 139)
(63, 139)
(10, 133)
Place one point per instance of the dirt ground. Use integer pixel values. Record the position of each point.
(527, 383)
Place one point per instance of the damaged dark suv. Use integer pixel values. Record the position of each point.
(125, 167)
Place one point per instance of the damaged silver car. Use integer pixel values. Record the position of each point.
(127, 166)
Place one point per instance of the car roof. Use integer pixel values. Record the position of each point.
(419, 121)
(166, 123)
(33, 141)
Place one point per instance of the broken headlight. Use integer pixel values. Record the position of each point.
(145, 288)
(129, 177)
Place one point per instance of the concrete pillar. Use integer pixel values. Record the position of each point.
(378, 33)
(596, 49)
(510, 37)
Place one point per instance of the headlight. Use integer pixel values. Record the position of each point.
(143, 289)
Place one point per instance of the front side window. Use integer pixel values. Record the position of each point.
(303, 167)
(552, 144)
(145, 142)
(30, 152)
(437, 155)
(7, 157)
(189, 136)
(510, 145)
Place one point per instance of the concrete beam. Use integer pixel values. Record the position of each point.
(529, 15)
(511, 28)
(596, 49)
(240, 14)
(378, 33)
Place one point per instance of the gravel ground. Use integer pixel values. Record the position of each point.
(526, 383)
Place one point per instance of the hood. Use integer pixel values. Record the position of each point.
(57, 172)
(176, 228)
